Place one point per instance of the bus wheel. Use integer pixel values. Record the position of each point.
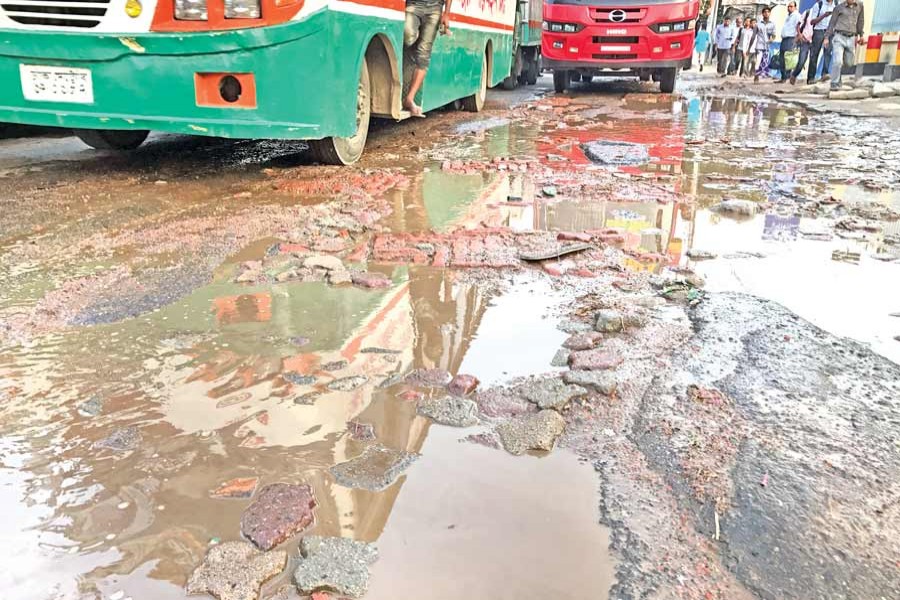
(475, 102)
(110, 139)
(667, 79)
(512, 82)
(347, 150)
(560, 81)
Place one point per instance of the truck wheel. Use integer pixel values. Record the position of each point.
(667, 78)
(534, 69)
(560, 81)
(586, 78)
(110, 139)
(475, 102)
(347, 150)
(645, 76)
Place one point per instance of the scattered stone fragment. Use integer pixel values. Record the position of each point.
(583, 341)
(299, 341)
(550, 393)
(822, 89)
(370, 280)
(881, 90)
(121, 440)
(375, 469)
(307, 399)
(598, 381)
(429, 377)
(610, 152)
(339, 278)
(463, 385)
(499, 402)
(571, 327)
(531, 432)
(361, 432)
(594, 360)
(856, 94)
(240, 487)
(549, 191)
(450, 410)
(329, 263)
(299, 378)
(411, 395)
(738, 207)
(347, 384)
(613, 321)
(336, 365)
(701, 254)
(561, 359)
(235, 571)
(488, 440)
(279, 511)
(376, 350)
(574, 236)
(91, 408)
(335, 564)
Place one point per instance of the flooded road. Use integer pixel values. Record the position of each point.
(183, 326)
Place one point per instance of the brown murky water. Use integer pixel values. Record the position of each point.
(201, 377)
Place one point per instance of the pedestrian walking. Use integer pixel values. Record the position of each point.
(821, 13)
(766, 36)
(789, 33)
(752, 50)
(742, 48)
(724, 37)
(701, 44)
(804, 39)
(845, 32)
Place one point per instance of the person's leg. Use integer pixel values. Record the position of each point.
(804, 54)
(814, 51)
(837, 60)
(428, 23)
(721, 57)
(786, 46)
(827, 53)
(750, 66)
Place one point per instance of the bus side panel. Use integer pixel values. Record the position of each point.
(455, 70)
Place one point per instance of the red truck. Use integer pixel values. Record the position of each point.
(650, 39)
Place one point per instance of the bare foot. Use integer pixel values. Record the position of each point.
(414, 109)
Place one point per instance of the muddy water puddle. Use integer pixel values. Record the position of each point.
(113, 465)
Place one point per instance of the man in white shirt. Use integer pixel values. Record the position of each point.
(789, 34)
(766, 35)
(820, 13)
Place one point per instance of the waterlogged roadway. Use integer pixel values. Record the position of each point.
(154, 298)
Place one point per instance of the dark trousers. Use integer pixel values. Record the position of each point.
(723, 60)
(787, 44)
(817, 42)
(804, 54)
(738, 62)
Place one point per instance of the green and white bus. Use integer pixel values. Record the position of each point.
(317, 70)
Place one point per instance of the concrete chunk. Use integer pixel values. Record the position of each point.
(531, 432)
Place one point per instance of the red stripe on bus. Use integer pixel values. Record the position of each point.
(399, 5)
(454, 17)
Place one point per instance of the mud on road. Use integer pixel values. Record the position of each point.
(608, 329)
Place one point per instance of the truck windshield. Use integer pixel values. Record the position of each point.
(615, 3)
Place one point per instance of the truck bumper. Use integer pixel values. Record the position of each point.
(170, 82)
(616, 66)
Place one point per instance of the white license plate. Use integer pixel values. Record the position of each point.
(615, 48)
(57, 84)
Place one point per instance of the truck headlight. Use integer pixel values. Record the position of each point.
(190, 10)
(242, 9)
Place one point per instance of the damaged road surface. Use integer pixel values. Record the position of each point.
(607, 344)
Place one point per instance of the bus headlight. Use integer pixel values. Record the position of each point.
(190, 10)
(242, 9)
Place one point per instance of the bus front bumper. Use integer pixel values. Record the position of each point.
(248, 83)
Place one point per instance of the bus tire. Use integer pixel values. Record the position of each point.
(560, 81)
(667, 79)
(347, 150)
(534, 68)
(112, 139)
(475, 102)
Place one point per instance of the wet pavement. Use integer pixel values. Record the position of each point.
(186, 326)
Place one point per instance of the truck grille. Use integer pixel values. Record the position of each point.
(56, 13)
(606, 15)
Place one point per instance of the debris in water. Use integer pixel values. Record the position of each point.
(336, 564)
(235, 571)
(554, 252)
(463, 385)
(375, 469)
(240, 487)
(361, 432)
(429, 377)
(450, 410)
(299, 341)
(121, 440)
(845, 256)
(371, 280)
(739, 207)
(91, 408)
(279, 511)
(765, 480)
(550, 393)
(376, 350)
(616, 153)
(336, 365)
(701, 254)
(549, 191)
(531, 432)
(299, 378)
(348, 384)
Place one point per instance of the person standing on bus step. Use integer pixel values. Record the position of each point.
(701, 43)
(821, 18)
(766, 36)
(724, 35)
(789, 34)
(847, 21)
(423, 20)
